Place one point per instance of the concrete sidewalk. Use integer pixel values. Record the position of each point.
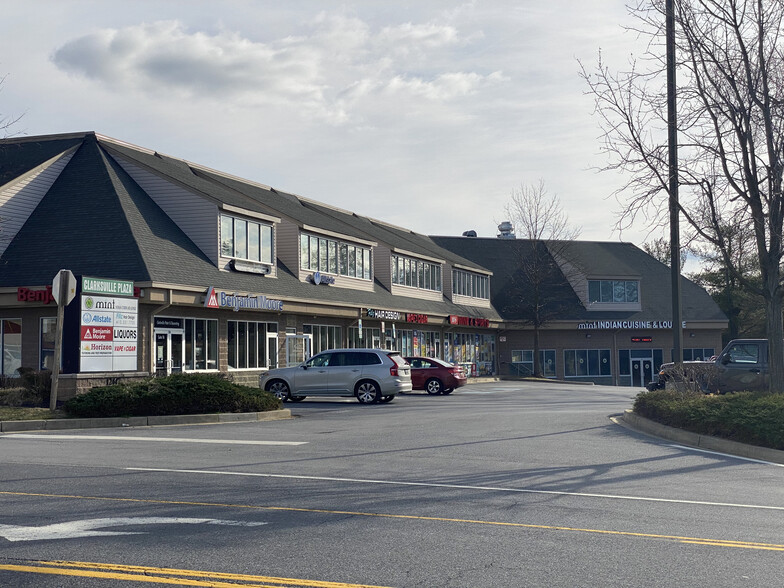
(649, 427)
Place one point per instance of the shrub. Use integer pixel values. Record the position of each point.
(748, 417)
(175, 394)
(32, 388)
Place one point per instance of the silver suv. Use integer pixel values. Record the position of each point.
(372, 375)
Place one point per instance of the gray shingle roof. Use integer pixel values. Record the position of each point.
(96, 220)
(595, 260)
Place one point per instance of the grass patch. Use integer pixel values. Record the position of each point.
(26, 413)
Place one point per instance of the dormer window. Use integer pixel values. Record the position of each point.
(323, 254)
(470, 284)
(246, 239)
(415, 273)
(614, 291)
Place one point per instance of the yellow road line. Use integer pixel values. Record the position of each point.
(151, 579)
(680, 539)
(202, 574)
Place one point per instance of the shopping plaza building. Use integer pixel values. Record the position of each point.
(180, 268)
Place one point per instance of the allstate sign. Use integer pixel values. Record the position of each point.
(319, 278)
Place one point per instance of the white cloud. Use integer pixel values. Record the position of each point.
(425, 114)
(327, 73)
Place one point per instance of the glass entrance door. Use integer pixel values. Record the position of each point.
(642, 371)
(298, 349)
(168, 352)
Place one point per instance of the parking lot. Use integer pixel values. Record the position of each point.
(498, 484)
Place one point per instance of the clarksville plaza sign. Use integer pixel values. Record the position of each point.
(108, 329)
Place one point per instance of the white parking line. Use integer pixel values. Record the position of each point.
(47, 437)
(462, 487)
(779, 465)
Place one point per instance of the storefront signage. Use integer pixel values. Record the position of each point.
(27, 295)
(319, 278)
(108, 287)
(250, 267)
(108, 340)
(416, 318)
(384, 314)
(468, 321)
(215, 299)
(168, 323)
(627, 325)
(642, 339)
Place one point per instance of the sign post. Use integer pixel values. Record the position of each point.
(63, 291)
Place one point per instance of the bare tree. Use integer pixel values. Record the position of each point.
(7, 121)
(742, 305)
(539, 284)
(660, 250)
(730, 95)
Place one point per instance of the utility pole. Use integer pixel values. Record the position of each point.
(672, 142)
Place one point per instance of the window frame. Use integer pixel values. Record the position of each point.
(603, 291)
(331, 256)
(230, 247)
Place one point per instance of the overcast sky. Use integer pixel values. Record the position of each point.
(424, 114)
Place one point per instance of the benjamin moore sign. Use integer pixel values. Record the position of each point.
(236, 302)
(107, 287)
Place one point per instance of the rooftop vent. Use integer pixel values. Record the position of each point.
(471, 233)
(506, 230)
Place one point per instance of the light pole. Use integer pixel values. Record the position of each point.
(672, 142)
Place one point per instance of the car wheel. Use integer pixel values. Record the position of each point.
(446, 391)
(434, 386)
(297, 398)
(385, 399)
(280, 389)
(367, 392)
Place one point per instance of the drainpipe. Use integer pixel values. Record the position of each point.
(615, 358)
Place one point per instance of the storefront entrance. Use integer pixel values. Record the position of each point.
(169, 350)
(641, 370)
(298, 349)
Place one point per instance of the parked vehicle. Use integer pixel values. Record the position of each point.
(742, 365)
(371, 375)
(435, 375)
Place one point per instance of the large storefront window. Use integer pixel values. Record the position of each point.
(371, 338)
(586, 362)
(201, 344)
(324, 337)
(523, 362)
(475, 352)
(248, 344)
(696, 354)
(413, 342)
(48, 332)
(10, 346)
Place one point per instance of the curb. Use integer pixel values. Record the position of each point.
(643, 425)
(151, 421)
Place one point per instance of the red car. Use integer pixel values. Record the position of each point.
(435, 375)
